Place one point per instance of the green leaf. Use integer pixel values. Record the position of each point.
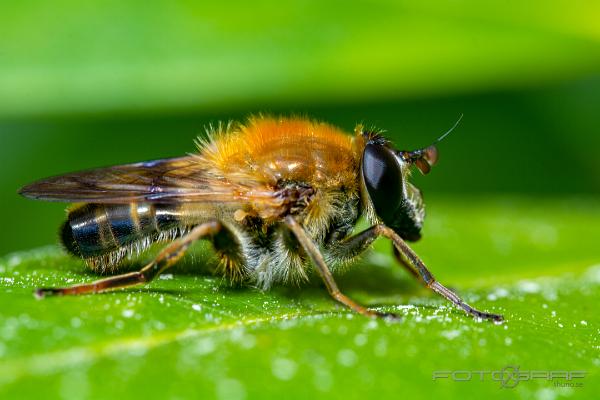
(66, 56)
(190, 335)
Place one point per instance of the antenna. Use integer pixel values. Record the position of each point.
(424, 158)
(449, 130)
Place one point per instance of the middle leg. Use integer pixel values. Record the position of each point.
(311, 249)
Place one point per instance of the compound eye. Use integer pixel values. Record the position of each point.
(383, 180)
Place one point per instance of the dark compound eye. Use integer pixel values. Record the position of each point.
(383, 179)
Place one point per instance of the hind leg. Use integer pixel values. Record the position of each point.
(165, 259)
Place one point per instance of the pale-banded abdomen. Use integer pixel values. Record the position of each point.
(94, 230)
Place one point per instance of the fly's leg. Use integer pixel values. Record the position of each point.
(165, 259)
(352, 246)
(311, 249)
(406, 265)
(413, 263)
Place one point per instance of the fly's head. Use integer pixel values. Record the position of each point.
(386, 190)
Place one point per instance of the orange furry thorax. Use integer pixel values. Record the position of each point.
(270, 150)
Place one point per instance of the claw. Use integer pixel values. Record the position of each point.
(40, 293)
(386, 315)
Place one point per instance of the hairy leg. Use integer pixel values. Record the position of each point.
(165, 259)
(408, 258)
(311, 249)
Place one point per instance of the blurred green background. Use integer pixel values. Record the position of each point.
(84, 85)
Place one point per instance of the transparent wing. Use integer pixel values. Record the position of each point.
(171, 180)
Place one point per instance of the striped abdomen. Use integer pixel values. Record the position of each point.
(95, 230)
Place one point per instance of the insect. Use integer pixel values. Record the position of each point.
(276, 197)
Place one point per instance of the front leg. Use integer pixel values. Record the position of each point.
(354, 245)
